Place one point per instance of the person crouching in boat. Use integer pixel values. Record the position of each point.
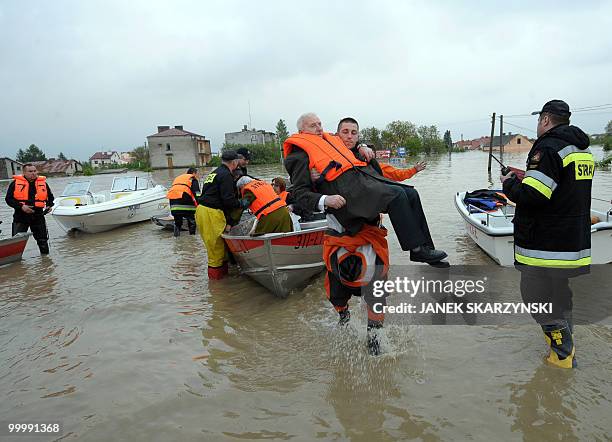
(218, 199)
(271, 211)
(354, 264)
(183, 203)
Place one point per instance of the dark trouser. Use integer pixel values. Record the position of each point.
(38, 226)
(189, 216)
(543, 288)
(408, 219)
(340, 294)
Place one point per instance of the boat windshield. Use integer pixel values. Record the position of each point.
(129, 184)
(77, 189)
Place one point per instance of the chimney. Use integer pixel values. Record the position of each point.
(178, 127)
(162, 128)
(509, 134)
(244, 128)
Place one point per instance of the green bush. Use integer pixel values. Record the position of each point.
(267, 153)
(214, 162)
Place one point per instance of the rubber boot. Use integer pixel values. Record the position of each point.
(43, 247)
(561, 342)
(177, 231)
(225, 269)
(345, 317)
(373, 337)
(215, 273)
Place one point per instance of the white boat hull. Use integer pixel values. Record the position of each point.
(281, 262)
(95, 218)
(493, 233)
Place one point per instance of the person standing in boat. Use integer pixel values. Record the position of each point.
(552, 223)
(183, 203)
(217, 201)
(31, 198)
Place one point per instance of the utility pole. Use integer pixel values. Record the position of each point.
(501, 138)
(250, 123)
(491, 141)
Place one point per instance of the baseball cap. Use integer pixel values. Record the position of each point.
(244, 152)
(557, 107)
(229, 155)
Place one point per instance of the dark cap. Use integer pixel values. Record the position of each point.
(557, 107)
(244, 152)
(229, 155)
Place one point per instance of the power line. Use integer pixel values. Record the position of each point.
(520, 127)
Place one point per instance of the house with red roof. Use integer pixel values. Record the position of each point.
(101, 159)
(53, 167)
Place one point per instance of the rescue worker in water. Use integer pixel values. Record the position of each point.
(183, 203)
(552, 223)
(31, 198)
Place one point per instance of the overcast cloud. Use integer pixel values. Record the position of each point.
(84, 76)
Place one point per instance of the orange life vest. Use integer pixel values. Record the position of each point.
(180, 185)
(283, 196)
(327, 154)
(368, 244)
(22, 190)
(266, 199)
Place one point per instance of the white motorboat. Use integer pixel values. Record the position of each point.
(280, 261)
(492, 230)
(131, 200)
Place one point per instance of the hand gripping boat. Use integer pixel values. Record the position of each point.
(492, 230)
(131, 200)
(280, 261)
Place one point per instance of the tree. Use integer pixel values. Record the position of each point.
(372, 135)
(141, 155)
(608, 137)
(448, 141)
(61, 156)
(32, 153)
(401, 134)
(281, 131)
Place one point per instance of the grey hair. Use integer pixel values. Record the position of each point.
(303, 118)
(243, 181)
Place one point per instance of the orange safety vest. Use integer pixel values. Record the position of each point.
(22, 190)
(368, 244)
(180, 185)
(283, 196)
(327, 154)
(266, 200)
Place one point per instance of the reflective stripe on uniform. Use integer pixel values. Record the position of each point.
(544, 258)
(571, 153)
(182, 207)
(541, 182)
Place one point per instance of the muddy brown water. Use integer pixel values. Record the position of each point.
(120, 336)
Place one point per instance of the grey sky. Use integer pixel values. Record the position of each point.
(84, 76)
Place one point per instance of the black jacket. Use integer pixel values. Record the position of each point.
(367, 194)
(219, 191)
(552, 219)
(19, 214)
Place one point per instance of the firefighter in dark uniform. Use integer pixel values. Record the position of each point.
(31, 197)
(552, 223)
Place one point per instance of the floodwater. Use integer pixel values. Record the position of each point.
(120, 336)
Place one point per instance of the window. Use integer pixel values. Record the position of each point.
(518, 141)
(167, 146)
